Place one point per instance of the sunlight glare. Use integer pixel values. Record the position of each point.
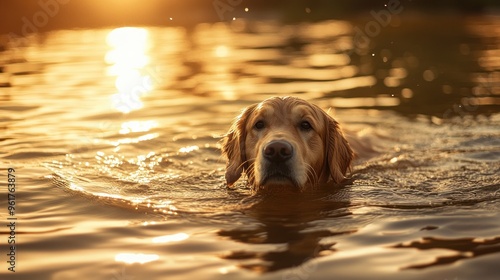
(171, 238)
(131, 37)
(129, 45)
(75, 187)
(227, 269)
(127, 58)
(221, 51)
(131, 258)
(128, 79)
(146, 137)
(137, 126)
(188, 149)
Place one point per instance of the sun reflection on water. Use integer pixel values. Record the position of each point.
(131, 258)
(128, 59)
(221, 51)
(171, 238)
(137, 126)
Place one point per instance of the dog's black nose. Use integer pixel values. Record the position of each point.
(278, 151)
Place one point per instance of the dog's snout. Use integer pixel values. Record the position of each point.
(278, 151)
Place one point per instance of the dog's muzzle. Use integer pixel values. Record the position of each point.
(277, 164)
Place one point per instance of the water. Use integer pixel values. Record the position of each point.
(113, 136)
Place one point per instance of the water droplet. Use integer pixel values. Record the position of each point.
(407, 93)
(429, 75)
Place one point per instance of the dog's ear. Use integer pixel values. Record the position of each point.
(338, 151)
(233, 147)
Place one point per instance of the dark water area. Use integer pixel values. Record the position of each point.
(113, 138)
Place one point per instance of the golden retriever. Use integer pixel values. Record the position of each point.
(286, 143)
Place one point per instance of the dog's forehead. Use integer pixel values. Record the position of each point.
(265, 108)
(284, 106)
(303, 110)
(289, 109)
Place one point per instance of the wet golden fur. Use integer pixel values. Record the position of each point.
(321, 152)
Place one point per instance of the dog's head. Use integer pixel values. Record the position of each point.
(286, 142)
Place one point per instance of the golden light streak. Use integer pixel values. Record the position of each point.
(127, 58)
(131, 258)
(171, 238)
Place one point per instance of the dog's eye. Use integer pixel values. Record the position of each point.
(259, 125)
(305, 125)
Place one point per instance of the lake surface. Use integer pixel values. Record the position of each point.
(113, 134)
